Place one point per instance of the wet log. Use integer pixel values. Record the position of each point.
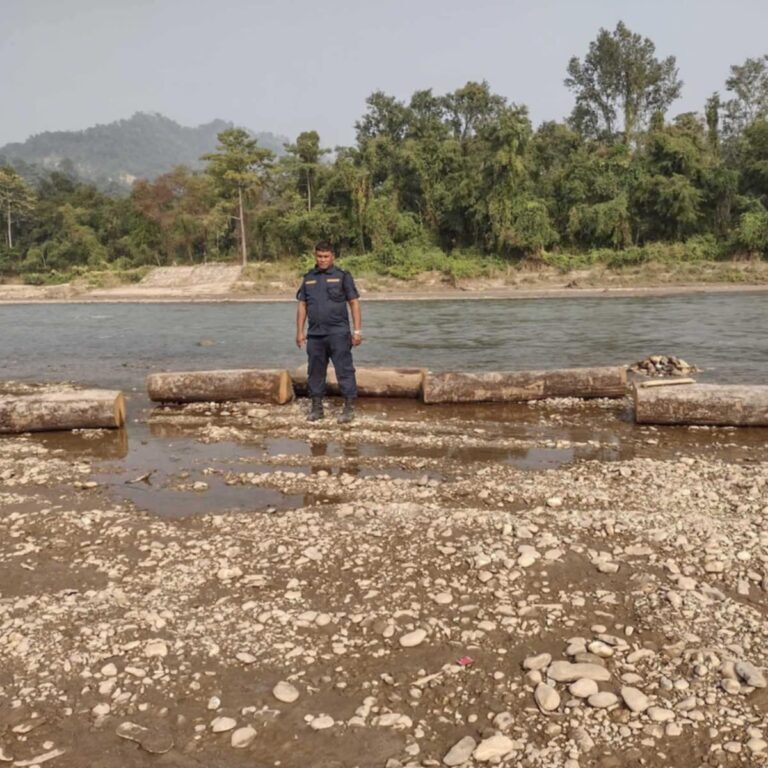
(520, 386)
(263, 386)
(49, 411)
(371, 382)
(703, 404)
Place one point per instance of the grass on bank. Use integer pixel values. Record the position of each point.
(699, 259)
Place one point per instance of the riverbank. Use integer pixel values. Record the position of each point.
(413, 594)
(271, 282)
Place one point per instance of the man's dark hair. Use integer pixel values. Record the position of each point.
(324, 245)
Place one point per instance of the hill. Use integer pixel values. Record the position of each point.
(143, 146)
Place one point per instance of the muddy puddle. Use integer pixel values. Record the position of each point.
(174, 462)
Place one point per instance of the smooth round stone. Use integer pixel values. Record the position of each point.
(413, 639)
(101, 709)
(526, 560)
(223, 724)
(730, 686)
(443, 598)
(243, 737)
(602, 700)
(546, 697)
(493, 747)
(757, 745)
(321, 723)
(109, 670)
(673, 729)
(660, 715)
(460, 752)
(583, 688)
(246, 658)
(601, 649)
(635, 700)
(285, 692)
(751, 675)
(538, 662)
(568, 672)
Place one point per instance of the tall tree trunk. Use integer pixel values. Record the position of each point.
(10, 232)
(309, 192)
(242, 226)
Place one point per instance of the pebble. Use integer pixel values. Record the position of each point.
(285, 692)
(223, 724)
(443, 598)
(537, 662)
(412, 639)
(660, 714)
(602, 700)
(568, 672)
(546, 697)
(109, 670)
(321, 723)
(243, 737)
(493, 747)
(583, 688)
(757, 745)
(635, 699)
(460, 752)
(750, 674)
(156, 648)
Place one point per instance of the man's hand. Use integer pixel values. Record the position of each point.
(300, 339)
(357, 339)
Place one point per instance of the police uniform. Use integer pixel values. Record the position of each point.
(326, 294)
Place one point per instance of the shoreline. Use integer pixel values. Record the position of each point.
(139, 296)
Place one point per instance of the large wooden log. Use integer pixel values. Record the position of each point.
(371, 382)
(264, 386)
(47, 411)
(704, 404)
(519, 386)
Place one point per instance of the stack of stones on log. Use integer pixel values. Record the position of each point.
(521, 386)
(371, 382)
(48, 411)
(663, 365)
(264, 386)
(702, 404)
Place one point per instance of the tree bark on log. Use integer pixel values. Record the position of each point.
(703, 404)
(519, 386)
(371, 382)
(48, 411)
(263, 386)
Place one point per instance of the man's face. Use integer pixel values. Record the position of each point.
(324, 259)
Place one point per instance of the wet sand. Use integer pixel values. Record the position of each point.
(414, 578)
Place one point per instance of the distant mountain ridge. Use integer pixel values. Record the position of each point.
(144, 146)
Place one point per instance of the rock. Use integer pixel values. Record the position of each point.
(223, 724)
(750, 674)
(537, 662)
(156, 648)
(443, 598)
(413, 639)
(285, 692)
(100, 710)
(635, 700)
(460, 752)
(109, 670)
(757, 745)
(568, 672)
(246, 658)
(583, 688)
(660, 714)
(602, 700)
(321, 723)
(243, 737)
(493, 747)
(546, 697)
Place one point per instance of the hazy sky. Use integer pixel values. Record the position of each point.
(292, 65)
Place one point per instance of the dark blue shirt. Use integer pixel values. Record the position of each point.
(326, 295)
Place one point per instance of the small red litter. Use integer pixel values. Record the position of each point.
(465, 661)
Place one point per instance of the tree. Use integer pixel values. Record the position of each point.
(16, 200)
(749, 84)
(305, 155)
(239, 166)
(620, 84)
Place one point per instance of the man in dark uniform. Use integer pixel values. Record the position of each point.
(323, 297)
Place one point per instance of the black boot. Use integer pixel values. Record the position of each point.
(317, 409)
(348, 412)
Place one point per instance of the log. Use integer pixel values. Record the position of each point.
(371, 382)
(48, 411)
(263, 386)
(520, 386)
(703, 404)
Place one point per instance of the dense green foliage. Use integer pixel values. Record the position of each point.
(444, 182)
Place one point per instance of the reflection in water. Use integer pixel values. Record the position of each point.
(101, 444)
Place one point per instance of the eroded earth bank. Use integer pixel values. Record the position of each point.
(538, 585)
